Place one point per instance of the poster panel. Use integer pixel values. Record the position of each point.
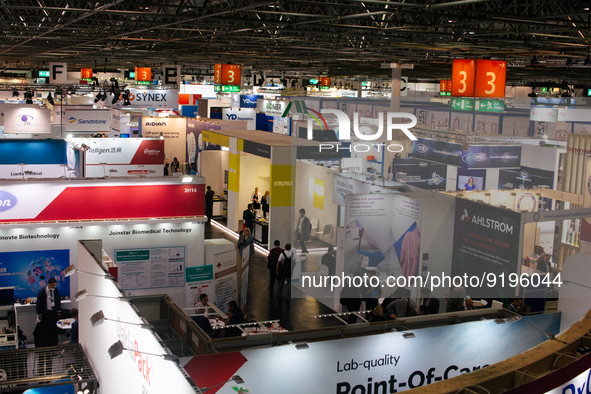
(244, 283)
(420, 173)
(149, 268)
(486, 241)
(199, 280)
(226, 281)
(88, 121)
(525, 178)
(172, 129)
(28, 119)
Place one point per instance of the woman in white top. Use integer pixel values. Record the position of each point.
(256, 201)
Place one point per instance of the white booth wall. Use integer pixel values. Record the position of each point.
(303, 197)
(215, 163)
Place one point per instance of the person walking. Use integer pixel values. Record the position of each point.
(303, 230)
(284, 272)
(209, 203)
(272, 260)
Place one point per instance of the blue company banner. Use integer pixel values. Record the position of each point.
(442, 152)
(33, 152)
(29, 271)
(494, 156)
(525, 178)
(189, 111)
(249, 100)
(420, 173)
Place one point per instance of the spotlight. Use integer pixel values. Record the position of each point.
(50, 99)
(532, 94)
(161, 136)
(115, 98)
(104, 96)
(97, 97)
(126, 98)
(15, 93)
(28, 97)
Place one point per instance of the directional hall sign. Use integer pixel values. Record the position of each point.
(462, 77)
(490, 78)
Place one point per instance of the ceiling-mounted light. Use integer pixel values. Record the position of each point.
(97, 97)
(28, 97)
(15, 93)
(533, 93)
(50, 99)
(126, 98)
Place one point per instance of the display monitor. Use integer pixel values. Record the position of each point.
(6, 296)
(478, 182)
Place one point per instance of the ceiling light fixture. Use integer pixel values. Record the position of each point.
(117, 348)
(99, 318)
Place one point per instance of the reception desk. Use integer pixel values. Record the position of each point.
(261, 231)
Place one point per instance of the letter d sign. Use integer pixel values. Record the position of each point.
(171, 75)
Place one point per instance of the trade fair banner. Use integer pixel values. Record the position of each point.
(29, 271)
(189, 111)
(382, 232)
(525, 178)
(27, 119)
(494, 156)
(420, 173)
(86, 200)
(245, 114)
(486, 242)
(343, 186)
(88, 121)
(125, 157)
(147, 98)
(384, 363)
(226, 280)
(172, 129)
(442, 152)
(24, 159)
(249, 100)
(59, 112)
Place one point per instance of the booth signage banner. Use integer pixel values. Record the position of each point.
(246, 114)
(438, 151)
(199, 280)
(174, 131)
(205, 91)
(189, 111)
(125, 157)
(486, 242)
(352, 165)
(149, 268)
(59, 112)
(226, 279)
(525, 178)
(28, 271)
(282, 189)
(39, 152)
(147, 98)
(384, 363)
(249, 100)
(29, 119)
(32, 171)
(272, 107)
(541, 114)
(39, 201)
(420, 173)
(257, 149)
(316, 193)
(562, 214)
(93, 121)
(494, 156)
(115, 119)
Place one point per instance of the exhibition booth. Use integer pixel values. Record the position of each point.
(273, 162)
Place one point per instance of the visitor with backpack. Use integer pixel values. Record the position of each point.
(284, 271)
(272, 259)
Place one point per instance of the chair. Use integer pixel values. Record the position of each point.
(327, 230)
(314, 223)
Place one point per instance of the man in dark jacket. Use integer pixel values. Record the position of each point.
(303, 230)
(272, 259)
(209, 203)
(431, 304)
(48, 299)
(248, 216)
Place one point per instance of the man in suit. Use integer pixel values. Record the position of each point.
(209, 203)
(515, 306)
(303, 230)
(431, 304)
(48, 299)
(543, 264)
(248, 216)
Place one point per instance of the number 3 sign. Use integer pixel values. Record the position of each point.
(462, 78)
(490, 78)
(227, 74)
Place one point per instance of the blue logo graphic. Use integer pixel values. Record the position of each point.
(7, 201)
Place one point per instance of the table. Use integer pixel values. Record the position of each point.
(218, 209)
(261, 231)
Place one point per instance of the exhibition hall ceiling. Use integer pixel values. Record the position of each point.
(540, 39)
